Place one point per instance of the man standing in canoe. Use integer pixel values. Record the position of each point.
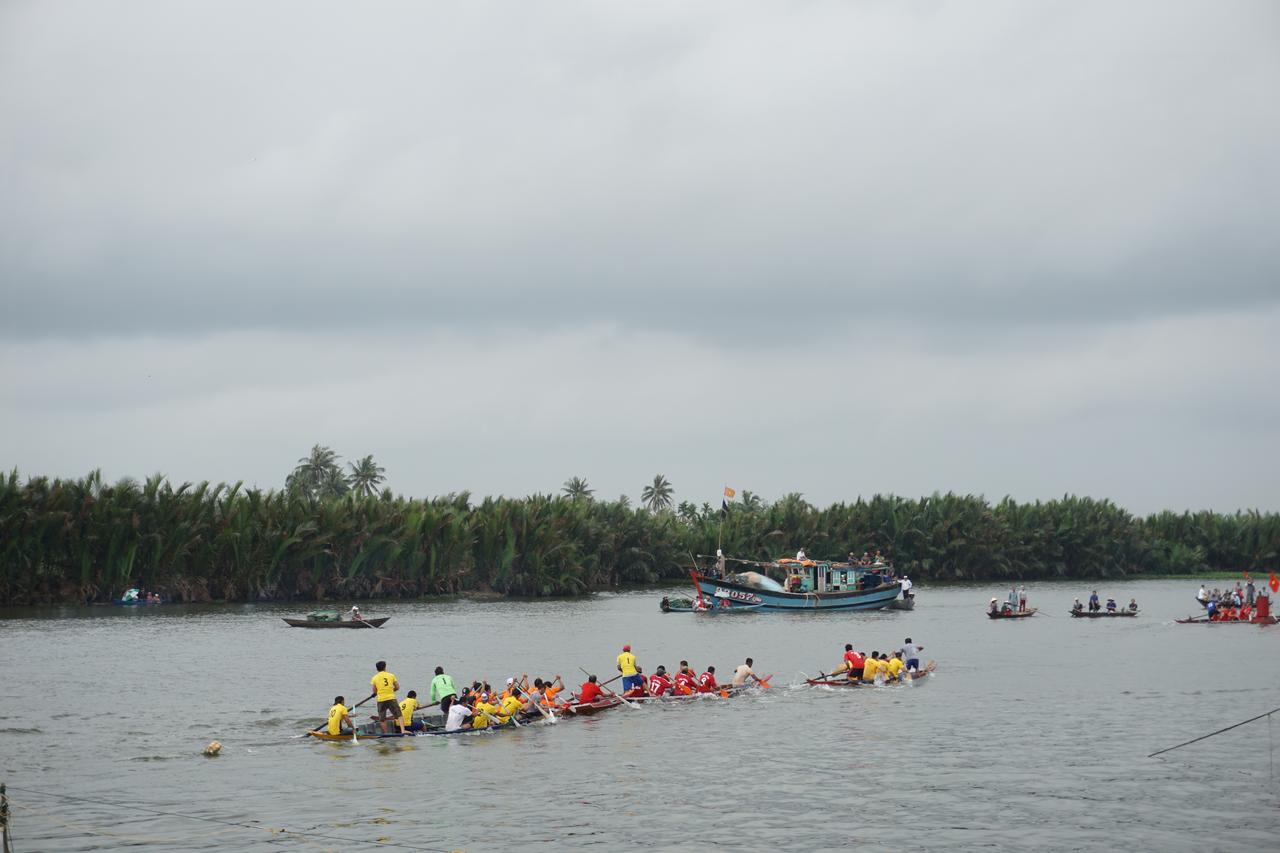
(442, 691)
(911, 654)
(627, 666)
(385, 686)
(338, 715)
(742, 673)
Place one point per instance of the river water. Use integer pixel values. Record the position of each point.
(1032, 735)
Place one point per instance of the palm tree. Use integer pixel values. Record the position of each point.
(314, 472)
(577, 489)
(657, 495)
(366, 476)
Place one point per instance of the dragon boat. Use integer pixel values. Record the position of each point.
(824, 680)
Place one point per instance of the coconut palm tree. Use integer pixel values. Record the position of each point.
(314, 473)
(365, 477)
(657, 495)
(576, 489)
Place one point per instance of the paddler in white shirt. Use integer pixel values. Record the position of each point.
(742, 673)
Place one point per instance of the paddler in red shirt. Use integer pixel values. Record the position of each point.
(707, 681)
(852, 664)
(589, 691)
(686, 680)
(659, 684)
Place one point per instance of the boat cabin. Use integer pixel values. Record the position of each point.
(808, 576)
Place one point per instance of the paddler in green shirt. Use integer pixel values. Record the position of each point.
(442, 691)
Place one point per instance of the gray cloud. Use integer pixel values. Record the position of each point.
(828, 247)
(205, 166)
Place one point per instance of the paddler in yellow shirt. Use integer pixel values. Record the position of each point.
(895, 666)
(630, 672)
(871, 666)
(510, 705)
(407, 707)
(385, 686)
(486, 713)
(338, 715)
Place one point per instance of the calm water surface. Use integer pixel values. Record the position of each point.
(1033, 735)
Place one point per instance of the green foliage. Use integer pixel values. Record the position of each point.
(66, 540)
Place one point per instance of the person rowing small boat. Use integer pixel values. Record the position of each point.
(338, 715)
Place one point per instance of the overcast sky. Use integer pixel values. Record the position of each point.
(839, 248)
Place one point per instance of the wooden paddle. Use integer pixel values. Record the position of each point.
(353, 707)
(548, 715)
(368, 624)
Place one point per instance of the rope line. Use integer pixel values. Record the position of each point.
(281, 831)
(1218, 732)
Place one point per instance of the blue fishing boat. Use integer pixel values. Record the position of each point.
(809, 585)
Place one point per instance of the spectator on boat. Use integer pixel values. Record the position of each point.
(707, 681)
(443, 691)
(1250, 593)
(459, 713)
(794, 582)
(338, 715)
(1203, 595)
(995, 606)
(744, 672)
(659, 684)
(1077, 607)
(1111, 605)
(911, 654)
(630, 672)
(385, 686)
(800, 555)
(407, 707)
(1133, 605)
(879, 559)
(1094, 606)
(590, 690)
(686, 681)
(1022, 599)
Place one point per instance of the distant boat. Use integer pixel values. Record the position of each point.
(335, 623)
(814, 585)
(1101, 614)
(1012, 614)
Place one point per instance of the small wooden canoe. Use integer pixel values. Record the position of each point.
(325, 623)
(1015, 614)
(1101, 614)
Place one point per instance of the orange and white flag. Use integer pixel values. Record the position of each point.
(728, 492)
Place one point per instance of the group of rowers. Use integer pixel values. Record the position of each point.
(480, 705)
(860, 666)
(1095, 604)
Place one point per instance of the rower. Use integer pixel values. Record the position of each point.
(353, 615)
(550, 690)
(385, 685)
(444, 692)
(486, 713)
(870, 666)
(510, 704)
(895, 666)
(630, 672)
(1111, 605)
(459, 712)
(533, 695)
(1133, 605)
(851, 664)
(338, 715)
(995, 607)
(659, 684)
(707, 681)
(590, 690)
(1077, 607)
(407, 707)
(911, 654)
(686, 681)
(743, 672)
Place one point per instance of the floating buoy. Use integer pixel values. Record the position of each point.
(213, 749)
